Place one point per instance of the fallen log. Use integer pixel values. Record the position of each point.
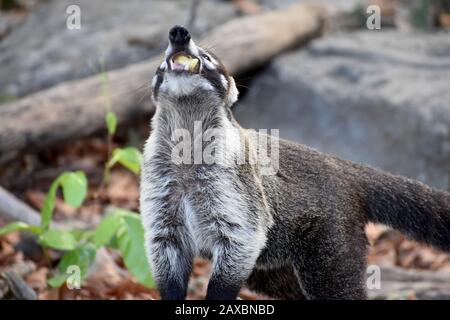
(77, 108)
(13, 209)
(12, 286)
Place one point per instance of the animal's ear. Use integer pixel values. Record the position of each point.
(232, 92)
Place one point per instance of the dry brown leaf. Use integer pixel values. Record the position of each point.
(49, 294)
(122, 187)
(374, 231)
(38, 279)
(37, 199)
(129, 289)
(444, 20)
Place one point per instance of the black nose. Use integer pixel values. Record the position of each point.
(179, 36)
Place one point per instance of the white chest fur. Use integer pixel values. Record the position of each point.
(206, 199)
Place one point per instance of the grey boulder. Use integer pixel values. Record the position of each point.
(375, 97)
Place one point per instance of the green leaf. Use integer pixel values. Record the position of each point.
(19, 226)
(49, 204)
(83, 236)
(106, 230)
(74, 187)
(113, 244)
(111, 122)
(130, 158)
(130, 237)
(58, 280)
(81, 257)
(58, 239)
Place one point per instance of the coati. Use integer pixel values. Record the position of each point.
(294, 234)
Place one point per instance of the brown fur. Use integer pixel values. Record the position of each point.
(321, 205)
(298, 233)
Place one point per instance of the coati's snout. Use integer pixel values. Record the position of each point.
(183, 57)
(179, 36)
(189, 70)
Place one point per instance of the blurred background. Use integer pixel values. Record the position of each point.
(374, 93)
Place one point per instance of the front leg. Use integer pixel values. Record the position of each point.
(168, 242)
(171, 261)
(233, 263)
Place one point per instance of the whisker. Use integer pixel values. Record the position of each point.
(142, 87)
(142, 98)
(210, 46)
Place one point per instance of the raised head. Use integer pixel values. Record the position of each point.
(191, 71)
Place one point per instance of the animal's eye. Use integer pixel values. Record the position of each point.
(206, 57)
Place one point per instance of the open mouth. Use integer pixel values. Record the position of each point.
(184, 62)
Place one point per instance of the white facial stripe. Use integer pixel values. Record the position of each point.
(193, 48)
(214, 61)
(183, 85)
(233, 92)
(209, 65)
(224, 81)
(163, 65)
(169, 50)
(155, 78)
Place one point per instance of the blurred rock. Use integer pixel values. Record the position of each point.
(380, 98)
(8, 22)
(401, 284)
(42, 52)
(345, 5)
